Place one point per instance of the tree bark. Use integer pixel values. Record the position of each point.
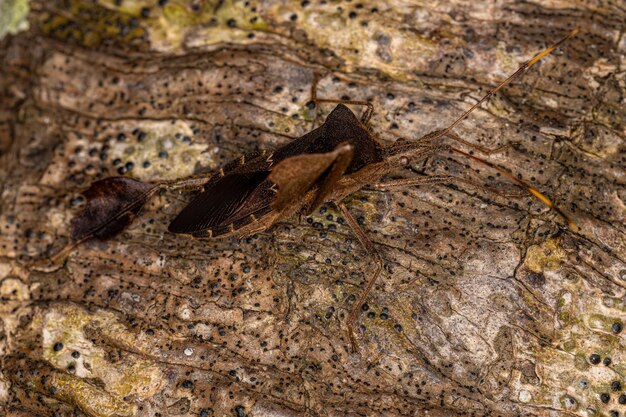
(487, 305)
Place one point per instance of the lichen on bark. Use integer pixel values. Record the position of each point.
(487, 305)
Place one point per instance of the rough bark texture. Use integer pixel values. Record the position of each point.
(486, 306)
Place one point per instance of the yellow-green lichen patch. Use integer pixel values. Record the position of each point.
(585, 358)
(547, 256)
(13, 14)
(359, 42)
(563, 375)
(582, 351)
(366, 35)
(40, 377)
(66, 346)
(386, 327)
(565, 310)
(568, 402)
(91, 24)
(90, 399)
(181, 25)
(602, 323)
(370, 42)
(580, 362)
(569, 345)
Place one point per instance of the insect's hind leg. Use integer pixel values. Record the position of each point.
(371, 250)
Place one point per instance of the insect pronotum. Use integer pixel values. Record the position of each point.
(325, 165)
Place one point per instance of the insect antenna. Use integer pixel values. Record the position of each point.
(532, 190)
(407, 148)
(520, 71)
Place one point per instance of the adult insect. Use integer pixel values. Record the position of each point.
(325, 165)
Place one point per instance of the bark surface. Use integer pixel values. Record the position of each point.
(487, 305)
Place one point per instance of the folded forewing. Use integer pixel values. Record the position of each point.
(218, 203)
(299, 174)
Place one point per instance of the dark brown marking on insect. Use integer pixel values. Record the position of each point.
(203, 234)
(255, 158)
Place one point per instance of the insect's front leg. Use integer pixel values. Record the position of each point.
(373, 253)
(482, 149)
(432, 142)
(365, 117)
(196, 182)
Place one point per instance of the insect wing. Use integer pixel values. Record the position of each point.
(217, 204)
(297, 175)
(344, 154)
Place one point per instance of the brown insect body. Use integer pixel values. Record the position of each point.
(240, 202)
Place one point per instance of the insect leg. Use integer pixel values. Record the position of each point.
(432, 139)
(189, 183)
(373, 253)
(365, 117)
(482, 149)
(424, 151)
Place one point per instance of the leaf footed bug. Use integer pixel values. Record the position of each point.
(325, 165)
